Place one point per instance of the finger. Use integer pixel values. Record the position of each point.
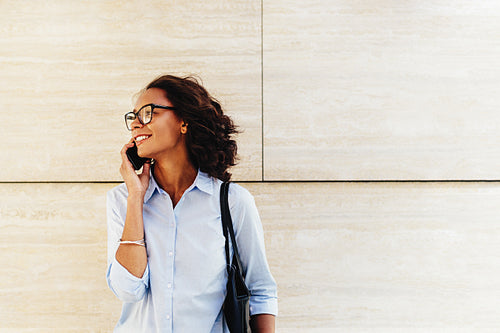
(146, 167)
(128, 145)
(123, 152)
(126, 167)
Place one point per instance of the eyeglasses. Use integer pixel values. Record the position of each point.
(145, 114)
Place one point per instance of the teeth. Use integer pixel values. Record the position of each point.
(140, 138)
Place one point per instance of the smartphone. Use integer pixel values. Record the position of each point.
(135, 159)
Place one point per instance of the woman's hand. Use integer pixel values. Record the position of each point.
(263, 323)
(136, 184)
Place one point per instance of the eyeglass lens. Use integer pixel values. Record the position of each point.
(145, 115)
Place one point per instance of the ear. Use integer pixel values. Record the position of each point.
(184, 128)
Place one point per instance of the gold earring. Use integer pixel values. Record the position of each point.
(184, 128)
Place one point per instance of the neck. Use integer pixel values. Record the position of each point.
(174, 176)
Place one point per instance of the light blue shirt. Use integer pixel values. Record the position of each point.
(184, 285)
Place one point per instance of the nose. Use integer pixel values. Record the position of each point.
(136, 123)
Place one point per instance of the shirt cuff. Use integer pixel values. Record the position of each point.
(126, 286)
(267, 305)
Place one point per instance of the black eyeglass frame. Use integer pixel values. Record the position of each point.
(153, 107)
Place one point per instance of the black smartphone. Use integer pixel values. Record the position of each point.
(135, 159)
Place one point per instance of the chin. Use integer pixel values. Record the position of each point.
(143, 153)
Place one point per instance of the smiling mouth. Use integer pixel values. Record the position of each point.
(141, 138)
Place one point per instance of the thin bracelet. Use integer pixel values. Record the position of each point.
(137, 242)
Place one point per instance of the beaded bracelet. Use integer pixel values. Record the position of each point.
(137, 242)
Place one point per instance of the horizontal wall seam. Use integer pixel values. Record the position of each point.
(276, 181)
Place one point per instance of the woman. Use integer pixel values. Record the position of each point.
(166, 257)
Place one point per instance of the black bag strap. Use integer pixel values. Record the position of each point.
(227, 226)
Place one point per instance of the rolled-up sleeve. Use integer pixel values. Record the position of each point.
(250, 239)
(127, 287)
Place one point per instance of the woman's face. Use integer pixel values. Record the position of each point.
(163, 134)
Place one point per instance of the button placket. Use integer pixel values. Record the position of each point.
(171, 225)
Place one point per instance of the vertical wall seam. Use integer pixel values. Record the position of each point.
(262, 85)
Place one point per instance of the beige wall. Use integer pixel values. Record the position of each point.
(349, 109)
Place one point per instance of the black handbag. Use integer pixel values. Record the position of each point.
(236, 303)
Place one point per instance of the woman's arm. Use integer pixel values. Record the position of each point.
(258, 278)
(262, 323)
(126, 286)
(131, 256)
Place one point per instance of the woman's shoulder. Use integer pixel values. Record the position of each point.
(239, 196)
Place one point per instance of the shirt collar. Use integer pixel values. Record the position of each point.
(202, 181)
(152, 188)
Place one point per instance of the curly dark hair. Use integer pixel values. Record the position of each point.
(209, 137)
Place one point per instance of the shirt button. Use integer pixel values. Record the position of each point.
(170, 254)
(168, 317)
(169, 285)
